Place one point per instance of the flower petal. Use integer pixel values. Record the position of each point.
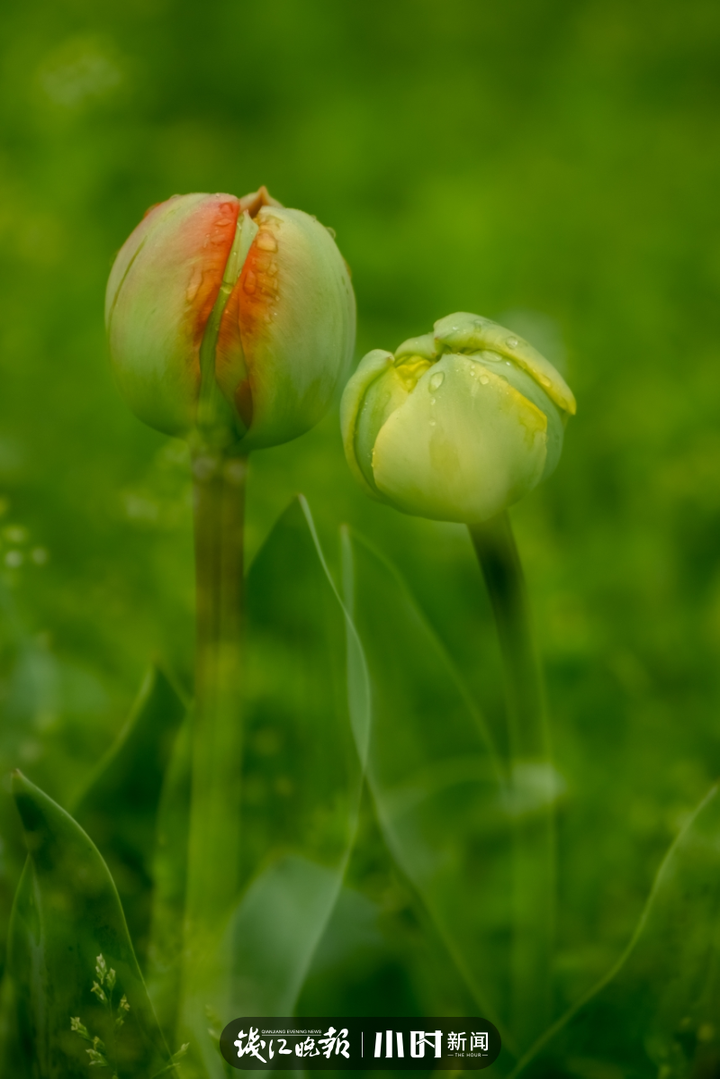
(463, 446)
(161, 292)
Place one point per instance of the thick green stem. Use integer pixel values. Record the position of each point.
(532, 781)
(214, 840)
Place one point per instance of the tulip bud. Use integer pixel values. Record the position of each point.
(456, 425)
(231, 318)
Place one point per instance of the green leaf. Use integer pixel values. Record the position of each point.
(276, 930)
(657, 1014)
(435, 779)
(170, 877)
(67, 913)
(118, 807)
(301, 777)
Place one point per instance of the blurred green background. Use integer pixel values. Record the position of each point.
(553, 165)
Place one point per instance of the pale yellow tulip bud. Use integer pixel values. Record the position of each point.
(455, 425)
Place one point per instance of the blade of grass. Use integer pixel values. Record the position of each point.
(118, 806)
(66, 914)
(656, 1013)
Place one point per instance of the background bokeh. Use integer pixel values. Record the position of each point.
(554, 165)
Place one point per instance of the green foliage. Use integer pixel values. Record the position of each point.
(170, 881)
(67, 921)
(298, 725)
(436, 780)
(656, 1013)
(299, 834)
(130, 776)
(444, 808)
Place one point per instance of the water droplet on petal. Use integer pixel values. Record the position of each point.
(432, 423)
(486, 356)
(266, 241)
(194, 285)
(437, 380)
(512, 342)
(545, 381)
(484, 380)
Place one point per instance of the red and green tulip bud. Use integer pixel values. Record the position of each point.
(231, 318)
(456, 425)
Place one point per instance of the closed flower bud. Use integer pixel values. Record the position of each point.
(232, 318)
(456, 425)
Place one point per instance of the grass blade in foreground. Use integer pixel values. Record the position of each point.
(66, 915)
(435, 780)
(118, 807)
(164, 960)
(656, 1013)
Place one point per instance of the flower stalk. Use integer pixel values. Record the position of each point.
(217, 735)
(532, 781)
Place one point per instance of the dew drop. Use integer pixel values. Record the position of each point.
(545, 381)
(512, 342)
(484, 380)
(436, 381)
(432, 423)
(486, 356)
(194, 286)
(266, 241)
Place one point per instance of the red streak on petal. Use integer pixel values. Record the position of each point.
(246, 318)
(207, 237)
(260, 287)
